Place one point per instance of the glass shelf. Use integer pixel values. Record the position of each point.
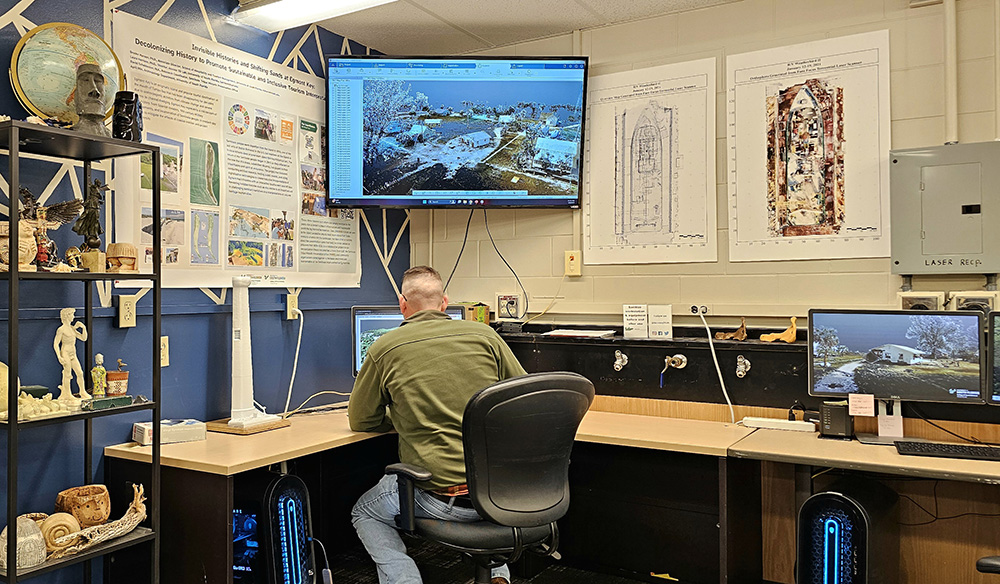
(135, 537)
(63, 143)
(81, 415)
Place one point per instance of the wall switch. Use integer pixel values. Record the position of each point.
(572, 262)
(291, 306)
(126, 310)
(164, 351)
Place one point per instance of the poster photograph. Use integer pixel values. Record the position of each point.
(808, 150)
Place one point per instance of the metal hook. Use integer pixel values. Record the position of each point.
(742, 366)
(621, 360)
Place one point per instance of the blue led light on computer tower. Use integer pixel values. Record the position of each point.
(286, 510)
(848, 535)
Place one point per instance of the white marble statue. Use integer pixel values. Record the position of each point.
(64, 345)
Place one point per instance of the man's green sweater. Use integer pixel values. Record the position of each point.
(424, 374)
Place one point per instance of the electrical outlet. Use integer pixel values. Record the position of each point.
(920, 300)
(126, 310)
(981, 300)
(509, 306)
(572, 262)
(291, 306)
(164, 351)
(701, 309)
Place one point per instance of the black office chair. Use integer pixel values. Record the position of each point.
(517, 435)
(989, 565)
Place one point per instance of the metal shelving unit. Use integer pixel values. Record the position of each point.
(23, 138)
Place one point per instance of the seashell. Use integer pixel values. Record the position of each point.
(56, 526)
(30, 544)
(90, 504)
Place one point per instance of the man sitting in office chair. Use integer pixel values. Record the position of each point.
(423, 374)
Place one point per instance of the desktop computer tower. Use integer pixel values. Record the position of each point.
(272, 531)
(848, 534)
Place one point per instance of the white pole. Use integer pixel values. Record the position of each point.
(950, 72)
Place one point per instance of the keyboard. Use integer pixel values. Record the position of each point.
(938, 449)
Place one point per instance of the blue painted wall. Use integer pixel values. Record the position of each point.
(196, 384)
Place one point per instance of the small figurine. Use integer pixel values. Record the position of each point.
(90, 100)
(89, 223)
(739, 334)
(122, 258)
(99, 375)
(73, 257)
(40, 219)
(64, 344)
(787, 335)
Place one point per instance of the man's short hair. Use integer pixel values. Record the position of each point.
(423, 287)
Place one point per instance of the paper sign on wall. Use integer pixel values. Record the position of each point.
(661, 321)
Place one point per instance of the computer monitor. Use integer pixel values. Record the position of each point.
(993, 351)
(371, 322)
(928, 356)
(465, 132)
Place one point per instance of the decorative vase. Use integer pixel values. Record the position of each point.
(117, 383)
(126, 122)
(90, 504)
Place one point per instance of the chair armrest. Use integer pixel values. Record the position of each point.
(406, 475)
(414, 472)
(989, 565)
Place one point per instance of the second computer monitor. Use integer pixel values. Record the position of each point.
(993, 375)
(371, 322)
(899, 355)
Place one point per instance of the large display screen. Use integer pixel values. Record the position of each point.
(368, 323)
(905, 355)
(455, 131)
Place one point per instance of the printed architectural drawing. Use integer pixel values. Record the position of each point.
(645, 198)
(805, 159)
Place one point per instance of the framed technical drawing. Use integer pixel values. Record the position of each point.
(650, 190)
(808, 150)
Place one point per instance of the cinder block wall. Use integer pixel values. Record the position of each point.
(533, 241)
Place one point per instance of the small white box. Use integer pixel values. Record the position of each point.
(173, 431)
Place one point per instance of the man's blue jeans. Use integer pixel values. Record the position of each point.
(374, 516)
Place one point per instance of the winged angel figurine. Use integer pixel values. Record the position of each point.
(42, 218)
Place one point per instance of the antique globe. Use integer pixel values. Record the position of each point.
(44, 65)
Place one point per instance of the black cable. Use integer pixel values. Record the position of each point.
(485, 220)
(459, 258)
(973, 439)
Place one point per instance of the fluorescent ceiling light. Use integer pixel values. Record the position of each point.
(275, 15)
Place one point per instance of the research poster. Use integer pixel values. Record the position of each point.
(242, 166)
(808, 145)
(650, 193)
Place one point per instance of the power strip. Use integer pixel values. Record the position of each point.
(779, 424)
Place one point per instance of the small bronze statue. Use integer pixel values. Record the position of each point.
(89, 223)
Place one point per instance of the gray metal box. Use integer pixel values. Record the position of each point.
(945, 209)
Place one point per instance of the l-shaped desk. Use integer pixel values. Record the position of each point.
(694, 485)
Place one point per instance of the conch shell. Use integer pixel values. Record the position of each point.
(56, 526)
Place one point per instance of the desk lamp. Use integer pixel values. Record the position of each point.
(244, 413)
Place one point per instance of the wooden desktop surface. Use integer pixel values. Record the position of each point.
(228, 454)
(673, 434)
(808, 448)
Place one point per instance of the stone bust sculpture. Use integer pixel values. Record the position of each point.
(90, 100)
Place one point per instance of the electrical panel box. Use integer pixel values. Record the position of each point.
(945, 206)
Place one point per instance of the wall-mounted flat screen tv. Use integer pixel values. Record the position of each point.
(452, 132)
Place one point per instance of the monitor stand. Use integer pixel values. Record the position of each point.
(890, 424)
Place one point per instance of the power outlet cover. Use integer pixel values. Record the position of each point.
(509, 306)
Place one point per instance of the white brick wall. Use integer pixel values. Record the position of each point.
(534, 241)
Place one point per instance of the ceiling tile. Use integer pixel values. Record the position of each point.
(509, 21)
(400, 28)
(613, 12)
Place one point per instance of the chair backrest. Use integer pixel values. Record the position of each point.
(518, 434)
